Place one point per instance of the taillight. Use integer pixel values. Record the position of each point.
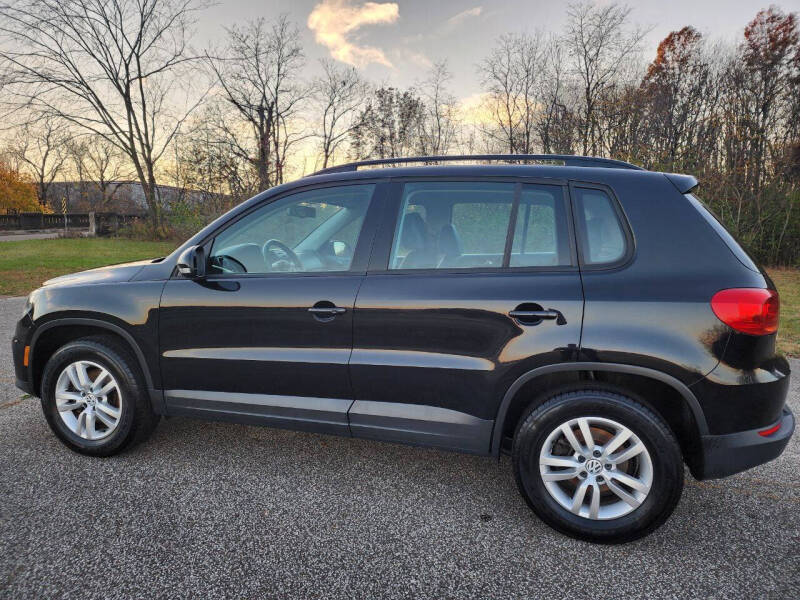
(749, 310)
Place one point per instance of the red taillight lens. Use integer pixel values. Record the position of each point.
(749, 310)
(770, 431)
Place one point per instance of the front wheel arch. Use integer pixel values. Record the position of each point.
(50, 336)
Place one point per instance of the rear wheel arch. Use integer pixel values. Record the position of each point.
(675, 403)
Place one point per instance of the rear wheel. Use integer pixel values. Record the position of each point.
(93, 398)
(598, 465)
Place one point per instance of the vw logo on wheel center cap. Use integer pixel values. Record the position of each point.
(594, 466)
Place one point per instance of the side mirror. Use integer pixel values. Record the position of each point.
(192, 263)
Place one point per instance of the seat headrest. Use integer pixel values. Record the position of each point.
(413, 235)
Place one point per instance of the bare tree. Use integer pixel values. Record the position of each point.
(439, 125)
(106, 166)
(41, 149)
(259, 76)
(99, 169)
(389, 125)
(76, 151)
(208, 161)
(110, 67)
(600, 40)
(340, 93)
(770, 56)
(556, 125)
(512, 75)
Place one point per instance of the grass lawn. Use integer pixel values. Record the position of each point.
(24, 265)
(788, 282)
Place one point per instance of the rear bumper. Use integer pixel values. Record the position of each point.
(723, 455)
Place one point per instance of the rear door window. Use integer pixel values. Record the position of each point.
(467, 224)
(541, 233)
(452, 225)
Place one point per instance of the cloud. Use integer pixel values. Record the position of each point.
(456, 20)
(476, 109)
(406, 55)
(334, 22)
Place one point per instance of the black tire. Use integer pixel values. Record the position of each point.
(540, 420)
(137, 419)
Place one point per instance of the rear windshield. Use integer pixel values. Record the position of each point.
(729, 240)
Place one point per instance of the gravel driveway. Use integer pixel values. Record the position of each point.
(220, 510)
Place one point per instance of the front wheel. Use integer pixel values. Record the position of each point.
(598, 466)
(93, 397)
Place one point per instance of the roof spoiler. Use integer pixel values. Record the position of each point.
(684, 183)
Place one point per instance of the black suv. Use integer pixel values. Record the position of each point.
(590, 318)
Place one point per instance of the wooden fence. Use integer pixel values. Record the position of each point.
(105, 223)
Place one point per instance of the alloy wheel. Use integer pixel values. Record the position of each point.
(89, 400)
(596, 468)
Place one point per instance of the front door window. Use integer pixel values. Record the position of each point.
(310, 231)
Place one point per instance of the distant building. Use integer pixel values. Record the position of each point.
(124, 197)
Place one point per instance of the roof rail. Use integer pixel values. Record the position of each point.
(568, 160)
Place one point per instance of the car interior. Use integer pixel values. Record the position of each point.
(457, 225)
(456, 228)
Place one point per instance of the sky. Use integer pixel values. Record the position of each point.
(396, 42)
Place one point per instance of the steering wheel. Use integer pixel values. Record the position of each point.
(273, 249)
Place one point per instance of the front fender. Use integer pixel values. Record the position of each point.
(129, 310)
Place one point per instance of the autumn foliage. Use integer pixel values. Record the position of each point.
(732, 117)
(771, 40)
(674, 54)
(17, 191)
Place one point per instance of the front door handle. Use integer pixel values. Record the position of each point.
(327, 310)
(534, 314)
(532, 317)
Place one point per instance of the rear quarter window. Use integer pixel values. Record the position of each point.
(603, 240)
(717, 226)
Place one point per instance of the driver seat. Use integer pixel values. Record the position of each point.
(414, 236)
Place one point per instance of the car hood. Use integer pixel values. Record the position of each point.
(110, 274)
